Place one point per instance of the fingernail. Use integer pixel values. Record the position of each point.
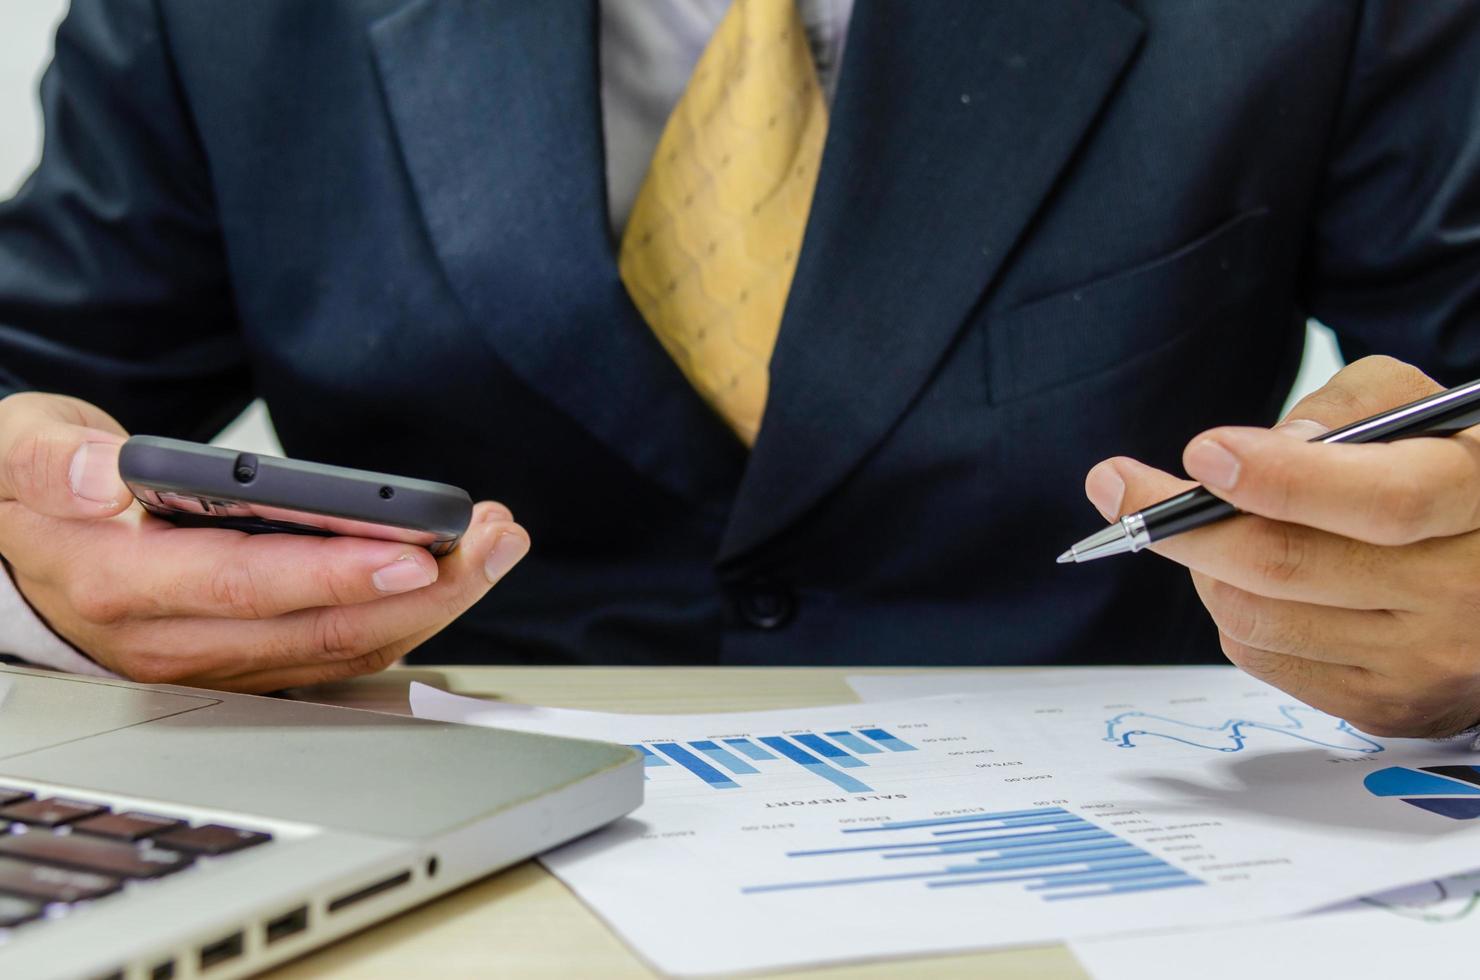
(1212, 465)
(1106, 490)
(93, 474)
(401, 575)
(507, 550)
(1303, 429)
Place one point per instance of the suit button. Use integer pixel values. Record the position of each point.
(767, 607)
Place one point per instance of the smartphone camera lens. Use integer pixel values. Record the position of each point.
(245, 469)
(387, 493)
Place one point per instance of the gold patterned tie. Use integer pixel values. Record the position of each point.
(712, 242)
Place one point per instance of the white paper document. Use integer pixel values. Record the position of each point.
(1393, 933)
(1428, 930)
(944, 680)
(1155, 801)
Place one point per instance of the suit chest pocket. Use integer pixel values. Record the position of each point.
(1079, 332)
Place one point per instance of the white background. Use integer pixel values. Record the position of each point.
(26, 28)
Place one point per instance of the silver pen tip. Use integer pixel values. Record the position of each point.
(1113, 540)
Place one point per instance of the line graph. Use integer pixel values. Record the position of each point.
(1231, 735)
(1435, 902)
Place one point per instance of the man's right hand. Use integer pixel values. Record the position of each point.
(210, 607)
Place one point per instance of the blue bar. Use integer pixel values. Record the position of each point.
(1109, 877)
(987, 837)
(726, 759)
(1058, 837)
(828, 750)
(648, 759)
(991, 853)
(1014, 824)
(749, 749)
(1108, 848)
(1033, 847)
(905, 876)
(1151, 886)
(1107, 843)
(853, 743)
(1042, 861)
(998, 878)
(815, 765)
(1095, 865)
(940, 821)
(865, 880)
(844, 781)
(991, 844)
(1100, 859)
(1012, 840)
(888, 741)
(697, 766)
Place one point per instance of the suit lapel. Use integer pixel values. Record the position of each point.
(951, 123)
(496, 107)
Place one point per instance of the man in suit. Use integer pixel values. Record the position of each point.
(980, 246)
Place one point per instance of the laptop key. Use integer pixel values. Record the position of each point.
(109, 857)
(14, 911)
(130, 826)
(9, 796)
(47, 884)
(211, 839)
(50, 812)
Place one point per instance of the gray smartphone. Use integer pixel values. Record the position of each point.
(195, 485)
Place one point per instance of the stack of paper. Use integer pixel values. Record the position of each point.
(1427, 929)
(1026, 813)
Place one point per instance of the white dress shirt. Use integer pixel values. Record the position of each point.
(648, 51)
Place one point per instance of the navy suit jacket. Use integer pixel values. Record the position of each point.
(1043, 233)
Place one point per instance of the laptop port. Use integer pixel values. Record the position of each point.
(287, 924)
(220, 951)
(164, 971)
(369, 891)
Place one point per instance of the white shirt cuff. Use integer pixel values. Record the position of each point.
(23, 634)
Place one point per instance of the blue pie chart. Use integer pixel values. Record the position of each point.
(1449, 791)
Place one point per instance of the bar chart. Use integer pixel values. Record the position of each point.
(1049, 851)
(836, 756)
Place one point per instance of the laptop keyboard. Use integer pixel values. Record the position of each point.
(56, 852)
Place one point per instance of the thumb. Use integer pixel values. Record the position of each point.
(59, 457)
(1123, 486)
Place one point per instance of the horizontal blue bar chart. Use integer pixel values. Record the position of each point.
(1047, 852)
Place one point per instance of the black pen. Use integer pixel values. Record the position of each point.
(1443, 414)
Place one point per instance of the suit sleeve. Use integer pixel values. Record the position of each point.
(1395, 262)
(113, 282)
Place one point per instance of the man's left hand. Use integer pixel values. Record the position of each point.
(1353, 580)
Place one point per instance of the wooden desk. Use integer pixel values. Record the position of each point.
(523, 922)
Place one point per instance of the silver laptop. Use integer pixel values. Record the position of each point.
(163, 832)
